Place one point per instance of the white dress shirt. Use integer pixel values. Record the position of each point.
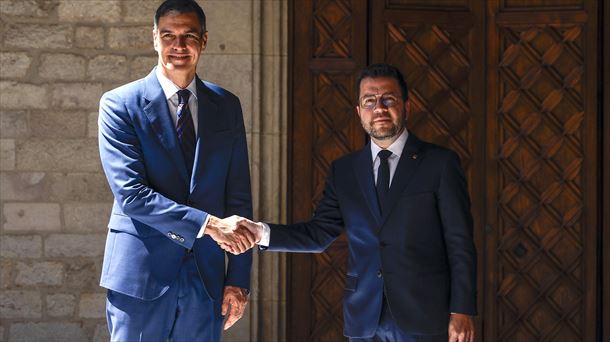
(396, 149)
(171, 94)
(170, 89)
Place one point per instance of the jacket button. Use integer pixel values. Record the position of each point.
(181, 239)
(379, 274)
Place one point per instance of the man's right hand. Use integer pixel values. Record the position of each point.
(234, 234)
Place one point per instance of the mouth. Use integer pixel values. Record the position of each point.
(179, 57)
(382, 120)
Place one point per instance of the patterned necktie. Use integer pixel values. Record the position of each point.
(185, 129)
(383, 179)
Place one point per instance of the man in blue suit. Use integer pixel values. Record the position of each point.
(404, 204)
(173, 148)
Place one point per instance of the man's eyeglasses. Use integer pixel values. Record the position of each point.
(370, 102)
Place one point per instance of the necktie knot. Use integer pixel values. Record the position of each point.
(183, 96)
(384, 155)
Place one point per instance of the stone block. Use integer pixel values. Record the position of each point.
(82, 274)
(23, 216)
(141, 11)
(20, 246)
(14, 64)
(20, 304)
(92, 127)
(101, 333)
(7, 154)
(92, 305)
(60, 304)
(142, 66)
(76, 95)
(58, 124)
(229, 25)
(107, 11)
(38, 36)
(61, 66)
(13, 124)
(26, 8)
(79, 186)
(89, 37)
(132, 38)
(26, 186)
(6, 273)
(87, 217)
(75, 245)
(47, 331)
(58, 155)
(13, 92)
(39, 273)
(108, 68)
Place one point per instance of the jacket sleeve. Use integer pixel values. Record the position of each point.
(239, 202)
(318, 233)
(122, 161)
(454, 209)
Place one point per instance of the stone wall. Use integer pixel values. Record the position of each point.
(57, 57)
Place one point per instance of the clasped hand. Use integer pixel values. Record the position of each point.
(234, 234)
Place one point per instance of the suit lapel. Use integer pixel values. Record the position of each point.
(363, 164)
(207, 114)
(158, 115)
(409, 160)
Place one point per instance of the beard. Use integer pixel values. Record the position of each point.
(384, 133)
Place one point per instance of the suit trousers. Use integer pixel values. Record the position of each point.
(183, 313)
(388, 331)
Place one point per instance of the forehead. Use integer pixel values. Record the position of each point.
(379, 85)
(184, 21)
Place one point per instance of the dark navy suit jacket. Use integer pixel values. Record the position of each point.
(159, 208)
(420, 252)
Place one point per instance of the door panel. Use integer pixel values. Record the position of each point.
(541, 253)
(329, 48)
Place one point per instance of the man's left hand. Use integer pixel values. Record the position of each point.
(234, 304)
(461, 328)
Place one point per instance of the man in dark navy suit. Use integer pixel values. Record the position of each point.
(173, 148)
(411, 272)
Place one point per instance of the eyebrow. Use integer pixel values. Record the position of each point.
(387, 93)
(161, 30)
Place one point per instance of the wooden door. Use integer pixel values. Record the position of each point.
(542, 182)
(509, 85)
(328, 48)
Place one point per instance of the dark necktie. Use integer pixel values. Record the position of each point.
(185, 129)
(383, 179)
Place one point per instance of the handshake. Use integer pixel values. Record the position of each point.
(234, 234)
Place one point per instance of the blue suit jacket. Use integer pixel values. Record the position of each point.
(158, 209)
(420, 251)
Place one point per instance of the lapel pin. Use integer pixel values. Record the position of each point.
(414, 156)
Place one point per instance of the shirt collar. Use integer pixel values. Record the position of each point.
(396, 147)
(170, 88)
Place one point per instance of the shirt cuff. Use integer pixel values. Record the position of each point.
(202, 229)
(266, 235)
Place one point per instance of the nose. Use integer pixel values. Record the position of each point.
(180, 42)
(379, 106)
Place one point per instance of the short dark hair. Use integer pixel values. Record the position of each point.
(181, 6)
(383, 70)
